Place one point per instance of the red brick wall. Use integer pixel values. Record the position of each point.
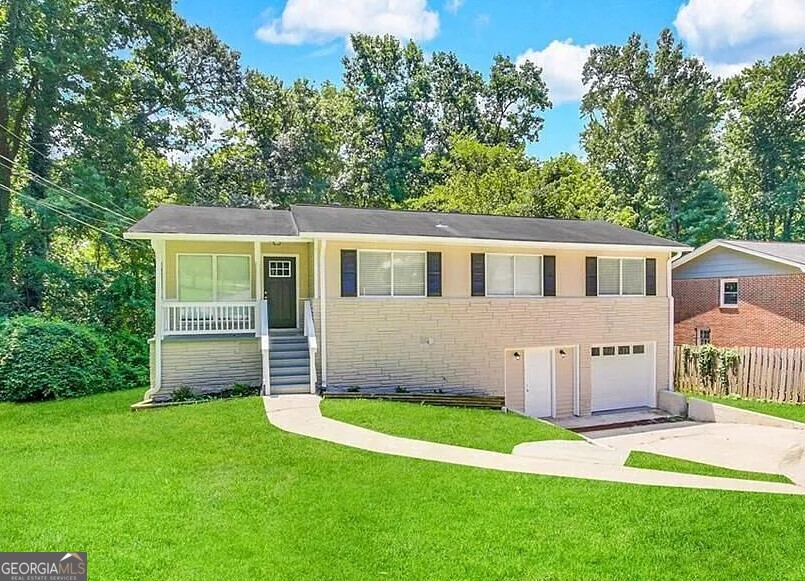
(770, 313)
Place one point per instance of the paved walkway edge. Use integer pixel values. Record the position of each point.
(703, 410)
(300, 414)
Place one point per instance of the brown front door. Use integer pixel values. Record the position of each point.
(280, 290)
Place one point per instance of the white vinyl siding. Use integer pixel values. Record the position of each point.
(622, 276)
(391, 274)
(515, 275)
(214, 277)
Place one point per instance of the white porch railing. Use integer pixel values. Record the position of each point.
(312, 345)
(181, 318)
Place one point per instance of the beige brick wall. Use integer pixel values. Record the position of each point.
(209, 364)
(461, 343)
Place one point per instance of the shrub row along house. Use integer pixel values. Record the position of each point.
(739, 293)
(561, 317)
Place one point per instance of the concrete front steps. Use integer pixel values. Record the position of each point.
(289, 362)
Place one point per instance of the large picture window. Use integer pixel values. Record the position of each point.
(214, 277)
(391, 274)
(513, 275)
(622, 276)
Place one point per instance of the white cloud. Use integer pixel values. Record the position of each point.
(320, 21)
(562, 63)
(452, 6)
(728, 34)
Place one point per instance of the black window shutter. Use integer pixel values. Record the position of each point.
(349, 273)
(651, 277)
(549, 276)
(592, 276)
(434, 274)
(478, 274)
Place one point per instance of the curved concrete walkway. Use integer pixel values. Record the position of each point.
(300, 414)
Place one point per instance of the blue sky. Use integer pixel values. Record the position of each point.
(294, 38)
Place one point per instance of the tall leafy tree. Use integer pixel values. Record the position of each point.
(763, 153)
(651, 118)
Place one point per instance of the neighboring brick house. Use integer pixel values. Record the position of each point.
(735, 293)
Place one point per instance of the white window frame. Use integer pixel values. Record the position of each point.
(514, 294)
(214, 274)
(620, 260)
(392, 252)
(722, 283)
(699, 335)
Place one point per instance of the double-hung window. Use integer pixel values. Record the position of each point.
(729, 293)
(622, 276)
(513, 275)
(392, 274)
(214, 277)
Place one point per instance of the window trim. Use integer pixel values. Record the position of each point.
(392, 295)
(721, 283)
(514, 294)
(699, 336)
(214, 256)
(620, 260)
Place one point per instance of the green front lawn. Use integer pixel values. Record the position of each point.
(212, 491)
(472, 428)
(789, 411)
(638, 459)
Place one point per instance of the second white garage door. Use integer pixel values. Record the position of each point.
(622, 376)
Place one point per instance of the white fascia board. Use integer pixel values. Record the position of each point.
(213, 237)
(449, 241)
(725, 244)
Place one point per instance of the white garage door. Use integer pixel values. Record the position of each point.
(622, 376)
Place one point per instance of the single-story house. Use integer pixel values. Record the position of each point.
(741, 293)
(561, 317)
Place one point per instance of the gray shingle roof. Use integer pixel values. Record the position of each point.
(793, 251)
(344, 220)
(205, 220)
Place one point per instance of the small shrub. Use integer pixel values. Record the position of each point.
(44, 359)
(400, 389)
(353, 389)
(242, 390)
(184, 393)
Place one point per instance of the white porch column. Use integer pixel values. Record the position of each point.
(159, 325)
(323, 302)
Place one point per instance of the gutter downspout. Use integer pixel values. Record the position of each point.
(670, 283)
(159, 291)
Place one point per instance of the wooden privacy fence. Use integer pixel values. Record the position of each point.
(759, 373)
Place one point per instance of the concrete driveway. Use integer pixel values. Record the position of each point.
(733, 445)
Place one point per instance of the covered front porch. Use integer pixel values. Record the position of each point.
(250, 299)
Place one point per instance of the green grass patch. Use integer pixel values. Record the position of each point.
(788, 411)
(638, 459)
(472, 428)
(212, 491)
